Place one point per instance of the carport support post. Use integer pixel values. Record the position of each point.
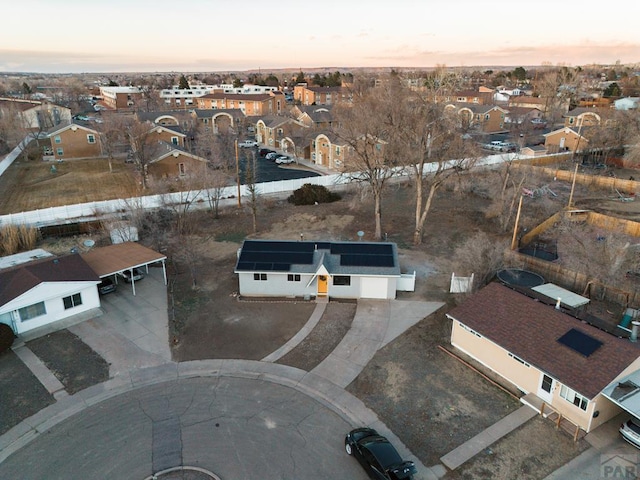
(133, 282)
(164, 272)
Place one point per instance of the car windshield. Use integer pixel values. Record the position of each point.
(633, 426)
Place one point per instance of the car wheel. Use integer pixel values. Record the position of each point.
(347, 447)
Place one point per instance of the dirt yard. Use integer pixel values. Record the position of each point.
(432, 401)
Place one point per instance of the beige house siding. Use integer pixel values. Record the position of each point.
(178, 165)
(528, 378)
(75, 142)
(554, 141)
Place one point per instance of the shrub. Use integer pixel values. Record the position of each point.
(6, 337)
(310, 194)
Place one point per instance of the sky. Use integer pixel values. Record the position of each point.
(71, 36)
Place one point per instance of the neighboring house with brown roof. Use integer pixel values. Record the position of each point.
(33, 114)
(73, 141)
(306, 95)
(565, 139)
(249, 104)
(36, 293)
(547, 354)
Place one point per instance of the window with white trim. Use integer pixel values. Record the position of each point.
(293, 277)
(260, 277)
(182, 169)
(60, 151)
(91, 138)
(57, 139)
(72, 301)
(574, 397)
(174, 140)
(341, 280)
(32, 311)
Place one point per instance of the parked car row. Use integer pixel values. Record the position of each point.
(248, 144)
(500, 146)
(275, 156)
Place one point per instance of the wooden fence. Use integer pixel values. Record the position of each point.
(630, 187)
(574, 281)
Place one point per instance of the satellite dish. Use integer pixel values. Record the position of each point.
(88, 243)
(360, 234)
(74, 250)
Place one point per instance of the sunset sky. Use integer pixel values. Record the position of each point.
(213, 35)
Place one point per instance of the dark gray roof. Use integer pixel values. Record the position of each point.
(339, 258)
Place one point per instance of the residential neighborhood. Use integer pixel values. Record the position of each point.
(264, 272)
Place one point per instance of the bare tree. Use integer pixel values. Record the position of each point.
(364, 126)
(113, 137)
(144, 147)
(253, 190)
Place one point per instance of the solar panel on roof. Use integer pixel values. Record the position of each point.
(362, 248)
(352, 260)
(580, 342)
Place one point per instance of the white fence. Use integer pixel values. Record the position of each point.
(9, 159)
(122, 207)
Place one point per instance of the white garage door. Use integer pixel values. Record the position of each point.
(373, 287)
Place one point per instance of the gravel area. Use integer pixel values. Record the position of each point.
(71, 360)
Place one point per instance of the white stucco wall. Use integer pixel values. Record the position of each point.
(51, 293)
(277, 285)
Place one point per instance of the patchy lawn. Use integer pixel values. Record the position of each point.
(31, 185)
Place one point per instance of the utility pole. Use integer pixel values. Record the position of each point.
(238, 174)
(514, 243)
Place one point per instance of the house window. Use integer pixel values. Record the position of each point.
(60, 151)
(337, 150)
(293, 278)
(260, 276)
(181, 169)
(91, 138)
(486, 117)
(342, 280)
(57, 139)
(518, 359)
(571, 120)
(573, 397)
(32, 311)
(71, 301)
(174, 140)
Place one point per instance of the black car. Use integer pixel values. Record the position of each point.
(263, 152)
(106, 286)
(377, 456)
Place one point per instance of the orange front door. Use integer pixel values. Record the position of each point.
(322, 284)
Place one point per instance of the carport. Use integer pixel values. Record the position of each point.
(114, 259)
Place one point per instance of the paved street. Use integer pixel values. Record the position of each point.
(238, 428)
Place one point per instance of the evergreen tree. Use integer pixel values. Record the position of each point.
(183, 83)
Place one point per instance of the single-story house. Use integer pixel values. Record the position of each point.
(36, 293)
(555, 359)
(318, 269)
